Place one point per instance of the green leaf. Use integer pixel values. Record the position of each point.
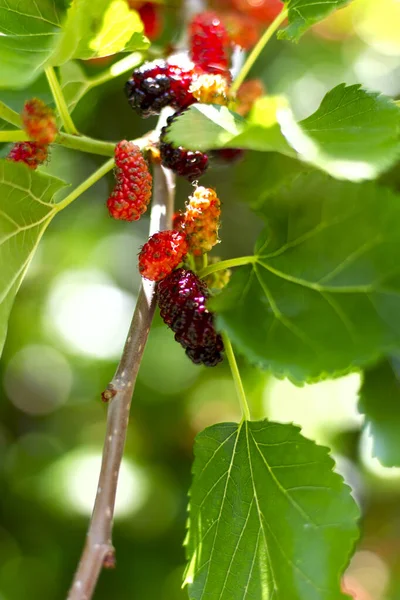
(100, 28)
(39, 34)
(354, 134)
(212, 127)
(303, 14)
(323, 297)
(74, 83)
(268, 517)
(380, 403)
(29, 33)
(359, 127)
(261, 174)
(26, 208)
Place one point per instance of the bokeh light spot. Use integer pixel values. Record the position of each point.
(72, 481)
(89, 313)
(38, 379)
(327, 406)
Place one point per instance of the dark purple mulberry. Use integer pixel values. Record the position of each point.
(182, 300)
(183, 162)
(157, 84)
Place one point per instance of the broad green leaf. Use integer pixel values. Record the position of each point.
(323, 296)
(100, 28)
(26, 208)
(380, 402)
(353, 135)
(37, 34)
(261, 174)
(268, 520)
(303, 14)
(359, 127)
(28, 34)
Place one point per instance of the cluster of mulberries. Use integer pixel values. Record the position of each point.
(181, 82)
(178, 83)
(40, 125)
(182, 298)
(181, 294)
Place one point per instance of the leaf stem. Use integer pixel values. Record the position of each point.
(122, 66)
(99, 551)
(61, 104)
(227, 264)
(236, 376)
(13, 135)
(85, 185)
(85, 144)
(258, 48)
(10, 115)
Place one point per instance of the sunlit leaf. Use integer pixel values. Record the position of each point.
(353, 135)
(268, 517)
(101, 28)
(303, 14)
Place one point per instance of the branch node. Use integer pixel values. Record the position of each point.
(109, 393)
(109, 561)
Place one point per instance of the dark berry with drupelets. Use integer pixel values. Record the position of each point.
(182, 298)
(158, 84)
(191, 164)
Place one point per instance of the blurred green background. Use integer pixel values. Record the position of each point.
(68, 326)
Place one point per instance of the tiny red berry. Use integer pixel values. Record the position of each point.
(264, 11)
(30, 153)
(247, 94)
(209, 43)
(132, 191)
(151, 17)
(39, 121)
(162, 253)
(243, 30)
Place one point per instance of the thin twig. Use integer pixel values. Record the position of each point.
(99, 551)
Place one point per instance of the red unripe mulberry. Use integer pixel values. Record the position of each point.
(132, 192)
(201, 222)
(209, 43)
(39, 121)
(162, 254)
(30, 153)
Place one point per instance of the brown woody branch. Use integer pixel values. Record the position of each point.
(99, 551)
